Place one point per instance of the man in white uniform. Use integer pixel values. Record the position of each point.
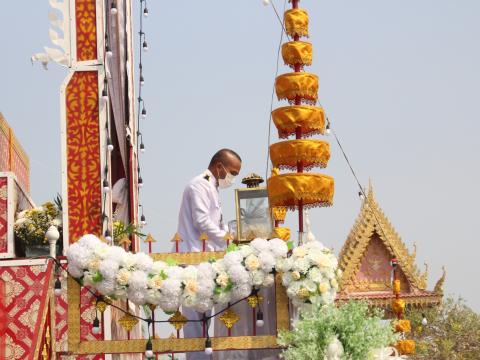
(200, 212)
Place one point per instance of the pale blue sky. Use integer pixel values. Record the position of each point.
(399, 79)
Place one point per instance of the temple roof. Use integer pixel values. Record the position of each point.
(371, 224)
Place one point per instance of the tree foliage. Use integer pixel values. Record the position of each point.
(452, 332)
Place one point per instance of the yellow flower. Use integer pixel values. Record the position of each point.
(403, 326)
(406, 347)
(398, 306)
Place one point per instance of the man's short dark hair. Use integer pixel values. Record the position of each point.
(221, 155)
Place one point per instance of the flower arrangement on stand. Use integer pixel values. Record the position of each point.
(348, 332)
(310, 275)
(32, 224)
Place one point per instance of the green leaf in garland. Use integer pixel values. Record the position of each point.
(290, 245)
(217, 290)
(171, 262)
(232, 247)
(212, 260)
(229, 287)
(97, 277)
(163, 275)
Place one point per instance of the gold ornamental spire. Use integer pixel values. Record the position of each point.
(299, 190)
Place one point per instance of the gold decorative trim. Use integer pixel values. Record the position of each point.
(177, 345)
(189, 258)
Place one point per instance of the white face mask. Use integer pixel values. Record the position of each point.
(227, 182)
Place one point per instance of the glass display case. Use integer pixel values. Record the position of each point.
(253, 216)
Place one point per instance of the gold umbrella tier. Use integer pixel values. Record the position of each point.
(297, 84)
(311, 153)
(310, 119)
(296, 22)
(297, 53)
(289, 190)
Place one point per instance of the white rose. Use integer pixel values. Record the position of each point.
(257, 277)
(252, 262)
(222, 279)
(155, 282)
(299, 252)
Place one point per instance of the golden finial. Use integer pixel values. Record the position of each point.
(149, 239)
(176, 238)
(203, 237)
(228, 237)
(438, 289)
(252, 180)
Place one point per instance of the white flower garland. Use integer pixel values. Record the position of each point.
(309, 274)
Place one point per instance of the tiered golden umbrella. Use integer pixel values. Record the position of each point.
(302, 119)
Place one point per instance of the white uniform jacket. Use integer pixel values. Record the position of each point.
(200, 212)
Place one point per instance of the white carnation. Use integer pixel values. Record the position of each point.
(246, 250)
(238, 274)
(302, 265)
(136, 296)
(232, 258)
(278, 247)
(138, 280)
(106, 286)
(260, 245)
(241, 291)
(108, 268)
(143, 261)
(267, 261)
